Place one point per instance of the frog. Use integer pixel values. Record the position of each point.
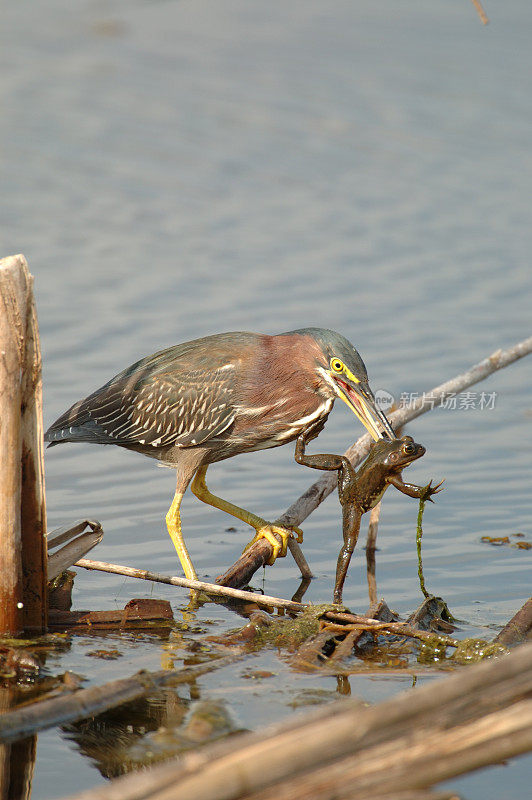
(361, 491)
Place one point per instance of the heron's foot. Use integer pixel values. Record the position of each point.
(270, 533)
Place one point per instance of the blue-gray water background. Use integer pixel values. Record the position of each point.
(174, 169)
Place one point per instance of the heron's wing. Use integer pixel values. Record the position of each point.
(160, 409)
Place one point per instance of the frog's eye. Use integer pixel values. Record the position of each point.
(337, 365)
(409, 448)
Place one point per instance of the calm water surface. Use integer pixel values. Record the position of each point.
(172, 170)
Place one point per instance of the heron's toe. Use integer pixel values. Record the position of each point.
(271, 532)
(298, 533)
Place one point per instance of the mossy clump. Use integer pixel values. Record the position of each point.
(469, 651)
(432, 649)
(466, 651)
(288, 633)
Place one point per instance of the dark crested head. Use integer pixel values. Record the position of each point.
(334, 346)
(342, 370)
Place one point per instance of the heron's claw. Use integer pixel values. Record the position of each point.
(297, 533)
(270, 532)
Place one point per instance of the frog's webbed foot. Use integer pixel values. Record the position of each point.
(428, 490)
(270, 533)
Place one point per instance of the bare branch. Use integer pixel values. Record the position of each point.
(480, 11)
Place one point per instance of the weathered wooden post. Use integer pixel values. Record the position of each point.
(22, 499)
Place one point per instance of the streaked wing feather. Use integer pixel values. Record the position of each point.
(165, 409)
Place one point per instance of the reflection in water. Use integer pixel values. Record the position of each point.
(17, 760)
(150, 730)
(343, 685)
(298, 595)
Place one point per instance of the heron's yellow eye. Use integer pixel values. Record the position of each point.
(337, 365)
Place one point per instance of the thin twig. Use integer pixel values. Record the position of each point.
(351, 621)
(202, 586)
(299, 558)
(480, 11)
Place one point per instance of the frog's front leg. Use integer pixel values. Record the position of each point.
(421, 492)
(351, 528)
(326, 461)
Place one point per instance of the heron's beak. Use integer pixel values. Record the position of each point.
(361, 401)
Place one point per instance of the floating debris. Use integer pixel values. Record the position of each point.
(499, 541)
(76, 541)
(136, 613)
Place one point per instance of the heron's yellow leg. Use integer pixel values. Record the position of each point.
(264, 529)
(173, 523)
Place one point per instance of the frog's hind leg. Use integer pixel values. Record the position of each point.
(351, 528)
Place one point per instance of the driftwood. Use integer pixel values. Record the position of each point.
(415, 794)
(83, 703)
(22, 507)
(471, 719)
(135, 613)
(415, 759)
(76, 542)
(251, 560)
(518, 628)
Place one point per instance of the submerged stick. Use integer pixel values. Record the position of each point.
(299, 558)
(251, 560)
(322, 488)
(94, 700)
(348, 621)
(259, 555)
(202, 586)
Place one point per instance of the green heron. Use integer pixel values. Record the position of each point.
(216, 397)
